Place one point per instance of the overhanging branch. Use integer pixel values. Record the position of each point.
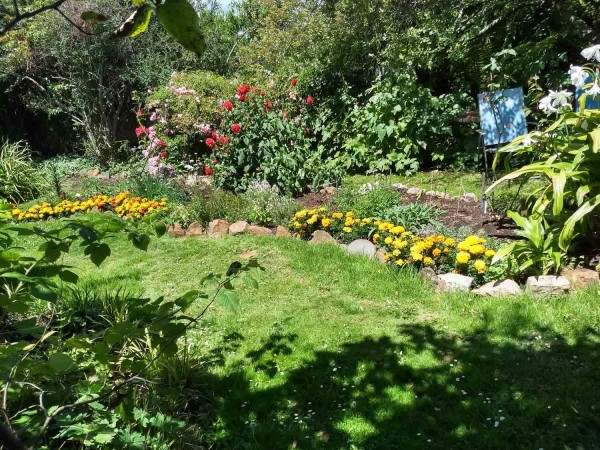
(20, 17)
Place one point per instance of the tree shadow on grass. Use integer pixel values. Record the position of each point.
(423, 388)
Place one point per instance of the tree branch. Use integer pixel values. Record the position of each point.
(28, 15)
(68, 19)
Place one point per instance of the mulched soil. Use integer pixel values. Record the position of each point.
(458, 213)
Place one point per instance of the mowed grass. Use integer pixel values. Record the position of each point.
(340, 352)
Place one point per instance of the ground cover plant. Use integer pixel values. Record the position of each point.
(366, 357)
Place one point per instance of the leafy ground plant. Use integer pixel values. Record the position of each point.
(77, 367)
(19, 178)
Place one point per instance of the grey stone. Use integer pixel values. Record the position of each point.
(362, 247)
(321, 236)
(499, 289)
(90, 173)
(414, 191)
(330, 190)
(218, 228)
(238, 228)
(548, 285)
(259, 231)
(283, 232)
(429, 276)
(400, 187)
(469, 197)
(581, 278)
(456, 282)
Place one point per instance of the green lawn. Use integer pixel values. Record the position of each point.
(338, 352)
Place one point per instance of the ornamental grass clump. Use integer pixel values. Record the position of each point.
(123, 205)
(402, 248)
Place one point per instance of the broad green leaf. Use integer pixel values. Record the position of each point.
(60, 362)
(229, 299)
(43, 292)
(97, 252)
(250, 281)
(558, 183)
(566, 235)
(136, 23)
(68, 277)
(160, 229)
(595, 135)
(181, 21)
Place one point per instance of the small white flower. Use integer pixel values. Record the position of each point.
(594, 90)
(578, 75)
(592, 52)
(555, 100)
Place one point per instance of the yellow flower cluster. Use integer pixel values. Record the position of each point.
(122, 204)
(401, 247)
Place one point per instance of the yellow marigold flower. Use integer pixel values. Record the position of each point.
(312, 220)
(349, 214)
(427, 261)
(377, 223)
(347, 230)
(480, 266)
(397, 230)
(436, 252)
(388, 240)
(322, 209)
(16, 212)
(337, 215)
(450, 242)
(417, 256)
(366, 221)
(464, 246)
(405, 234)
(387, 256)
(463, 257)
(400, 262)
(477, 249)
(490, 253)
(376, 236)
(427, 244)
(416, 249)
(396, 252)
(301, 214)
(297, 225)
(326, 222)
(446, 251)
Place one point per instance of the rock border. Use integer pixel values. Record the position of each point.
(540, 286)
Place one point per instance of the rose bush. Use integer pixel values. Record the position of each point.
(264, 135)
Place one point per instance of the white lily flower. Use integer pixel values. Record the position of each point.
(578, 75)
(528, 141)
(592, 53)
(555, 100)
(594, 90)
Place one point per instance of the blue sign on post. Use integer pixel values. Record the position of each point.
(590, 102)
(501, 116)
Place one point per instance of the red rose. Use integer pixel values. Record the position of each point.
(254, 90)
(207, 171)
(309, 100)
(228, 105)
(163, 154)
(141, 131)
(241, 98)
(222, 140)
(214, 134)
(215, 161)
(160, 143)
(235, 128)
(263, 93)
(243, 90)
(307, 132)
(268, 105)
(210, 143)
(294, 81)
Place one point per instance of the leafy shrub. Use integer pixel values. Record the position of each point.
(178, 118)
(218, 204)
(563, 211)
(266, 206)
(19, 178)
(368, 201)
(156, 187)
(400, 126)
(413, 216)
(265, 134)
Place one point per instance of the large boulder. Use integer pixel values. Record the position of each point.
(456, 282)
(176, 230)
(549, 286)
(414, 191)
(429, 276)
(320, 237)
(238, 228)
(504, 288)
(362, 247)
(259, 231)
(581, 278)
(195, 229)
(218, 228)
(283, 232)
